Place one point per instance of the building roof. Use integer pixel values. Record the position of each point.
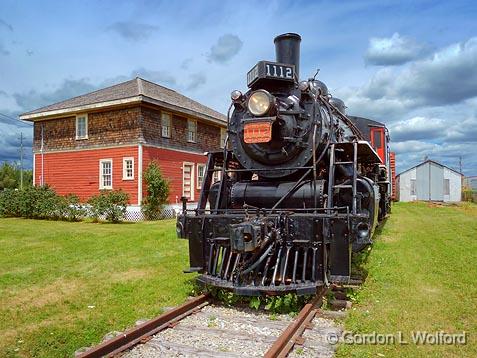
(135, 90)
(430, 161)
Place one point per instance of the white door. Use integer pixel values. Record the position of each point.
(188, 181)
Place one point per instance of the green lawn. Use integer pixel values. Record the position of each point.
(422, 277)
(65, 285)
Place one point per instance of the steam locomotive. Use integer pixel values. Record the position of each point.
(302, 186)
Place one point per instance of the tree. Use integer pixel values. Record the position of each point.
(10, 177)
(157, 192)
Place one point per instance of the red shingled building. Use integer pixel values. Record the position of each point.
(105, 140)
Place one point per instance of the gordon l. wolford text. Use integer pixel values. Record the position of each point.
(399, 337)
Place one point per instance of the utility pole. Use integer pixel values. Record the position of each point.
(460, 164)
(21, 160)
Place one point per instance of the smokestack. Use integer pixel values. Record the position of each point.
(287, 50)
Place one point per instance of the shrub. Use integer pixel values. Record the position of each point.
(95, 209)
(469, 195)
(109, 203)
(68, 208)
(9, 203)
(157, 192)
(40, 202)
(74, 210)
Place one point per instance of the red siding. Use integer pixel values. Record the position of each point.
(170, 162)
(78, 171)
(392, 160)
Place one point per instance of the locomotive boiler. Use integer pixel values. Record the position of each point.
(302, 186)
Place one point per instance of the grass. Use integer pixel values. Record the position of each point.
(65, 285)
(422, 277)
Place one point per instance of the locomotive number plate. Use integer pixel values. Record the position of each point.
(271, 71)
(259, 132)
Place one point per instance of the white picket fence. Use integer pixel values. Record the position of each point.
(134, 213)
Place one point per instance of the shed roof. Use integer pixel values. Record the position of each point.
(135, 90)
(430, 161)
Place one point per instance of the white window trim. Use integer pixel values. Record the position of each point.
(192, 177)
(101, 161)
(223, 136)
(125, 177)
(170, 125)
(85, 115)
(199, 165)
(195, 133)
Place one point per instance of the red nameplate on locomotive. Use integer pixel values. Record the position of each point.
(260, 132)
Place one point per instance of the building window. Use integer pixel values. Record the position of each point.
(413, 186)
(106, 174)
(191, 130)
(128, 168)
(446, 187)
(188, 181)
(82, 126)
(166, 124)
(200, 175)
(223, 137)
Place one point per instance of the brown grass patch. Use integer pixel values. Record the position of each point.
(430, 290)
(386, 238)
(39, 296)
(129, 275)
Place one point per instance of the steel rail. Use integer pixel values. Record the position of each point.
(287, 339)
(145, 330)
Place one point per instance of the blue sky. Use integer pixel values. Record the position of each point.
(412, 65)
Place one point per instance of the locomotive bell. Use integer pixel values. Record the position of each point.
(287, 50)
(317, 85)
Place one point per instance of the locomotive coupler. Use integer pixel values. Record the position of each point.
(246, 236)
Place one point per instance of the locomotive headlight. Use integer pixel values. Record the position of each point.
(259, 102)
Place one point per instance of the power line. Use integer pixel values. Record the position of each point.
(15, 119)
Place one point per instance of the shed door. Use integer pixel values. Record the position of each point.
(430, 182)
(422, 182)
(437, 182)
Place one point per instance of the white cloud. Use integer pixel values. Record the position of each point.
(394, 50)
(227, 46)
(447, 77)
(413, 146)
(418, 127)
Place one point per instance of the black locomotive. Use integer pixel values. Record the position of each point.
(302, 185)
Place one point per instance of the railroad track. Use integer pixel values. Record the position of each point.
(199, 328)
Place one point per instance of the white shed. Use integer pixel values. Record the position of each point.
(429, 181)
